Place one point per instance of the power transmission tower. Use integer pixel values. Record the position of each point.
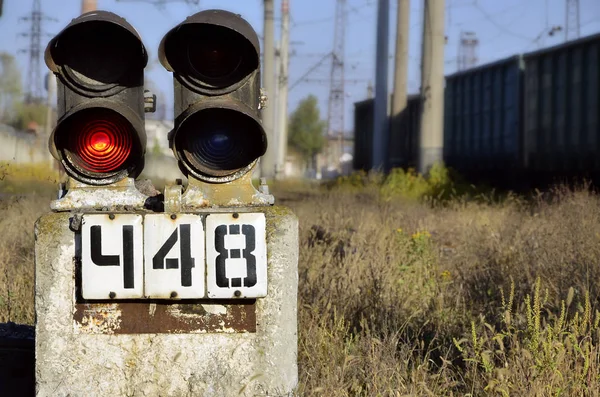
(467, 50)
(572, 20)
(335, 116)
(34, 86)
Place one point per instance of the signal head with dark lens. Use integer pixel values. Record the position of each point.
(215, 59)
(227, 144)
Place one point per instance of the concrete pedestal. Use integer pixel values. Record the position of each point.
(164, 348)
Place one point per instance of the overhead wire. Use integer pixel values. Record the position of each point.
(309, 71)
(490, 19)
(328, 19)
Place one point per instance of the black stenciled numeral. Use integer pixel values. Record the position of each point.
(185, 250)
(113, 260)
(249, 233)
(187, 262)
(158, 262)
(96, 246)
(222, 280)
(128, 279)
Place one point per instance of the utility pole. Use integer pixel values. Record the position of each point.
(572, 20)
(397, 133)
(88, 5)
(51, 85)
(335, 116)
(380, 114)
(267, 165)
(432, 86)
(282, 104)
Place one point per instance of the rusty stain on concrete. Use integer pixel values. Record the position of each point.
(99, 319)
(159, 317)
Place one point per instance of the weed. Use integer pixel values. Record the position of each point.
(408, 296)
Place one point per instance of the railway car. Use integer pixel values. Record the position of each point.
(527, 120)
(561, 129)
(483, 120)
(402, 148)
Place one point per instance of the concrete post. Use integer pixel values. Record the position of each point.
(267, 162)
(282, 100)
(399, 100)
(380, 114)
(161, 347)
(51, 84)
(88, 5)
(432, 86)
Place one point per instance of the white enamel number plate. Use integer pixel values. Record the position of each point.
(174, 256)
(112, 261)
(154, 256)
(236, 256)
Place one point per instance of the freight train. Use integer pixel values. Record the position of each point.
(526, 120)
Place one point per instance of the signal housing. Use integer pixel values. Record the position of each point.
(215, 59)
(99, 61)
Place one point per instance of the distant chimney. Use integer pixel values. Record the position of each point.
(88, 5)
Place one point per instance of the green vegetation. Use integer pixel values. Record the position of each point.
(35, 179)
(24, 114)
(407, 295)
(440, 185)
(306, 131)
(10, 86)
(13, 111)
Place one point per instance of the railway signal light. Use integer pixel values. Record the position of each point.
(215, 59)
(99, 60)
(193, 263)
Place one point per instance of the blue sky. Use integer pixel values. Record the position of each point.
(504, 28)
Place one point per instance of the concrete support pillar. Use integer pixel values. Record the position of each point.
(432, 86)
(244, 347)
(88, 5)
(268, 161)
(380, 111)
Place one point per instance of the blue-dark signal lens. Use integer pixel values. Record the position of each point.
(218, 142)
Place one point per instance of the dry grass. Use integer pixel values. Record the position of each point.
(458, 298)
(402, 297)
(17, 216)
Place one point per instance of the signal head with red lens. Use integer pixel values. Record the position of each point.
(96, 145)
(99, 62)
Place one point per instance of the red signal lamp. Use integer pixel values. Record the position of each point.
(103, 145)
(96, 144)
